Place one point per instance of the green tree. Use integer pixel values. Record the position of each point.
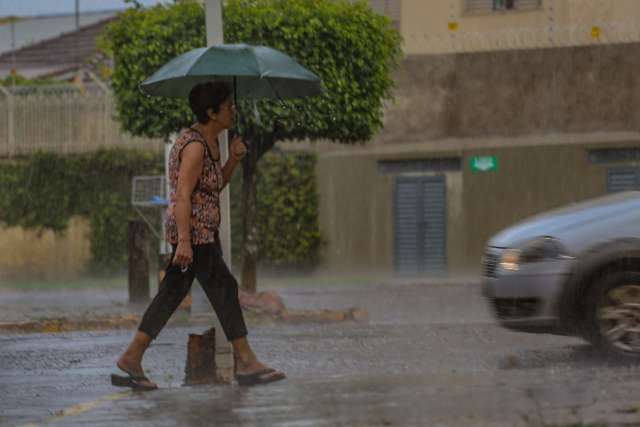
(353, 50)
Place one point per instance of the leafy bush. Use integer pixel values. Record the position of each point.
(288, 230)
(44, 191)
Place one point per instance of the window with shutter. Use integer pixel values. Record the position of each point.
(487, 6)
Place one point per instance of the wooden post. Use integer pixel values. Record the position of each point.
(138, 262)
(201, 367)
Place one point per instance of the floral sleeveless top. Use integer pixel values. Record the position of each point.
(205, 199)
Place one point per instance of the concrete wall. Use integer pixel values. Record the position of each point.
(534, 174)
(355, 213)
(530, 180)
(539, 111)
(509, 93)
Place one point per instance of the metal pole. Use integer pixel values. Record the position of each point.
(213, 22)
(215, 35)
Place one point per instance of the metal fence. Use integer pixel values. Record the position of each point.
(61, 119)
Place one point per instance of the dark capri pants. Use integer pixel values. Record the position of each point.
(217, 282)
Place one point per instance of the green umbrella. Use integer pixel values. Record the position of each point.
(255, 71)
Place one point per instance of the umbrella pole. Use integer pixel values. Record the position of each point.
(235, 102)
(235, 92)
(238, 116)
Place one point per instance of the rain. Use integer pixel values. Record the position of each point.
(393, 213)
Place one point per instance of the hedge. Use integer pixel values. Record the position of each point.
(44, 191)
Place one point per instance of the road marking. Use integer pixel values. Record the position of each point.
(81, 408)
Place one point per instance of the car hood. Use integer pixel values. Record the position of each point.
(567, 220)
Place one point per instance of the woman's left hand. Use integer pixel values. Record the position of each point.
(237, 149)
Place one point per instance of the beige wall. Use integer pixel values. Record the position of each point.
(26, 254)
(356, 212)
(539, 111)
(355, 222)
(517, 92)
(535, 174)
(425, 25)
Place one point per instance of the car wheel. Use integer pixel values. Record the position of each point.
(613, 313)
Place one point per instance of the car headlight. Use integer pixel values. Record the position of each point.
(510, 260)
(540, 249)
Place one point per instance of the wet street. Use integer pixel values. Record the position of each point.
(428, 355)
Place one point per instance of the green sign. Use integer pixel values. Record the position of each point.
(484, 164)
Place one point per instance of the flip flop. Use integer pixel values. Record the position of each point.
(263, 376)
(132, 380)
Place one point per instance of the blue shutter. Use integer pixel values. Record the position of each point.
(420, 225)
(408, 206)
(623, 179)
(435, 241)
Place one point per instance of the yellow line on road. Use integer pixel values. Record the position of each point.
(82, 407)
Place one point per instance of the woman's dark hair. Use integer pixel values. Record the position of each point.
(208, 95)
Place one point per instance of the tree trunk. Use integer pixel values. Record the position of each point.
(249, 220)
(258, 147)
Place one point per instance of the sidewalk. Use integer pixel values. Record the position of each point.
(16, 306)
(66, 310)
(98, 309)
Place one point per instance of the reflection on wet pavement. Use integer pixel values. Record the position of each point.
(428, 356)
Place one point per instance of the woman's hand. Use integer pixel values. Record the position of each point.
(237, 149)
(183, 256)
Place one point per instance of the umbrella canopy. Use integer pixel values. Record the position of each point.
(256, 72)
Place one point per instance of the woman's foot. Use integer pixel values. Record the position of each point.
(255, 372)
(133, 368)
(249, 367)
(249, 370)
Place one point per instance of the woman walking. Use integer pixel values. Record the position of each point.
(193, 216)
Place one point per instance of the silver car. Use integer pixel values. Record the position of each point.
(574, 270)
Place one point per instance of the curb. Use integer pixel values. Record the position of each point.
(68, 325)
(63, 324)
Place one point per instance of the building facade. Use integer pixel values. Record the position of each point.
(487, 128)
